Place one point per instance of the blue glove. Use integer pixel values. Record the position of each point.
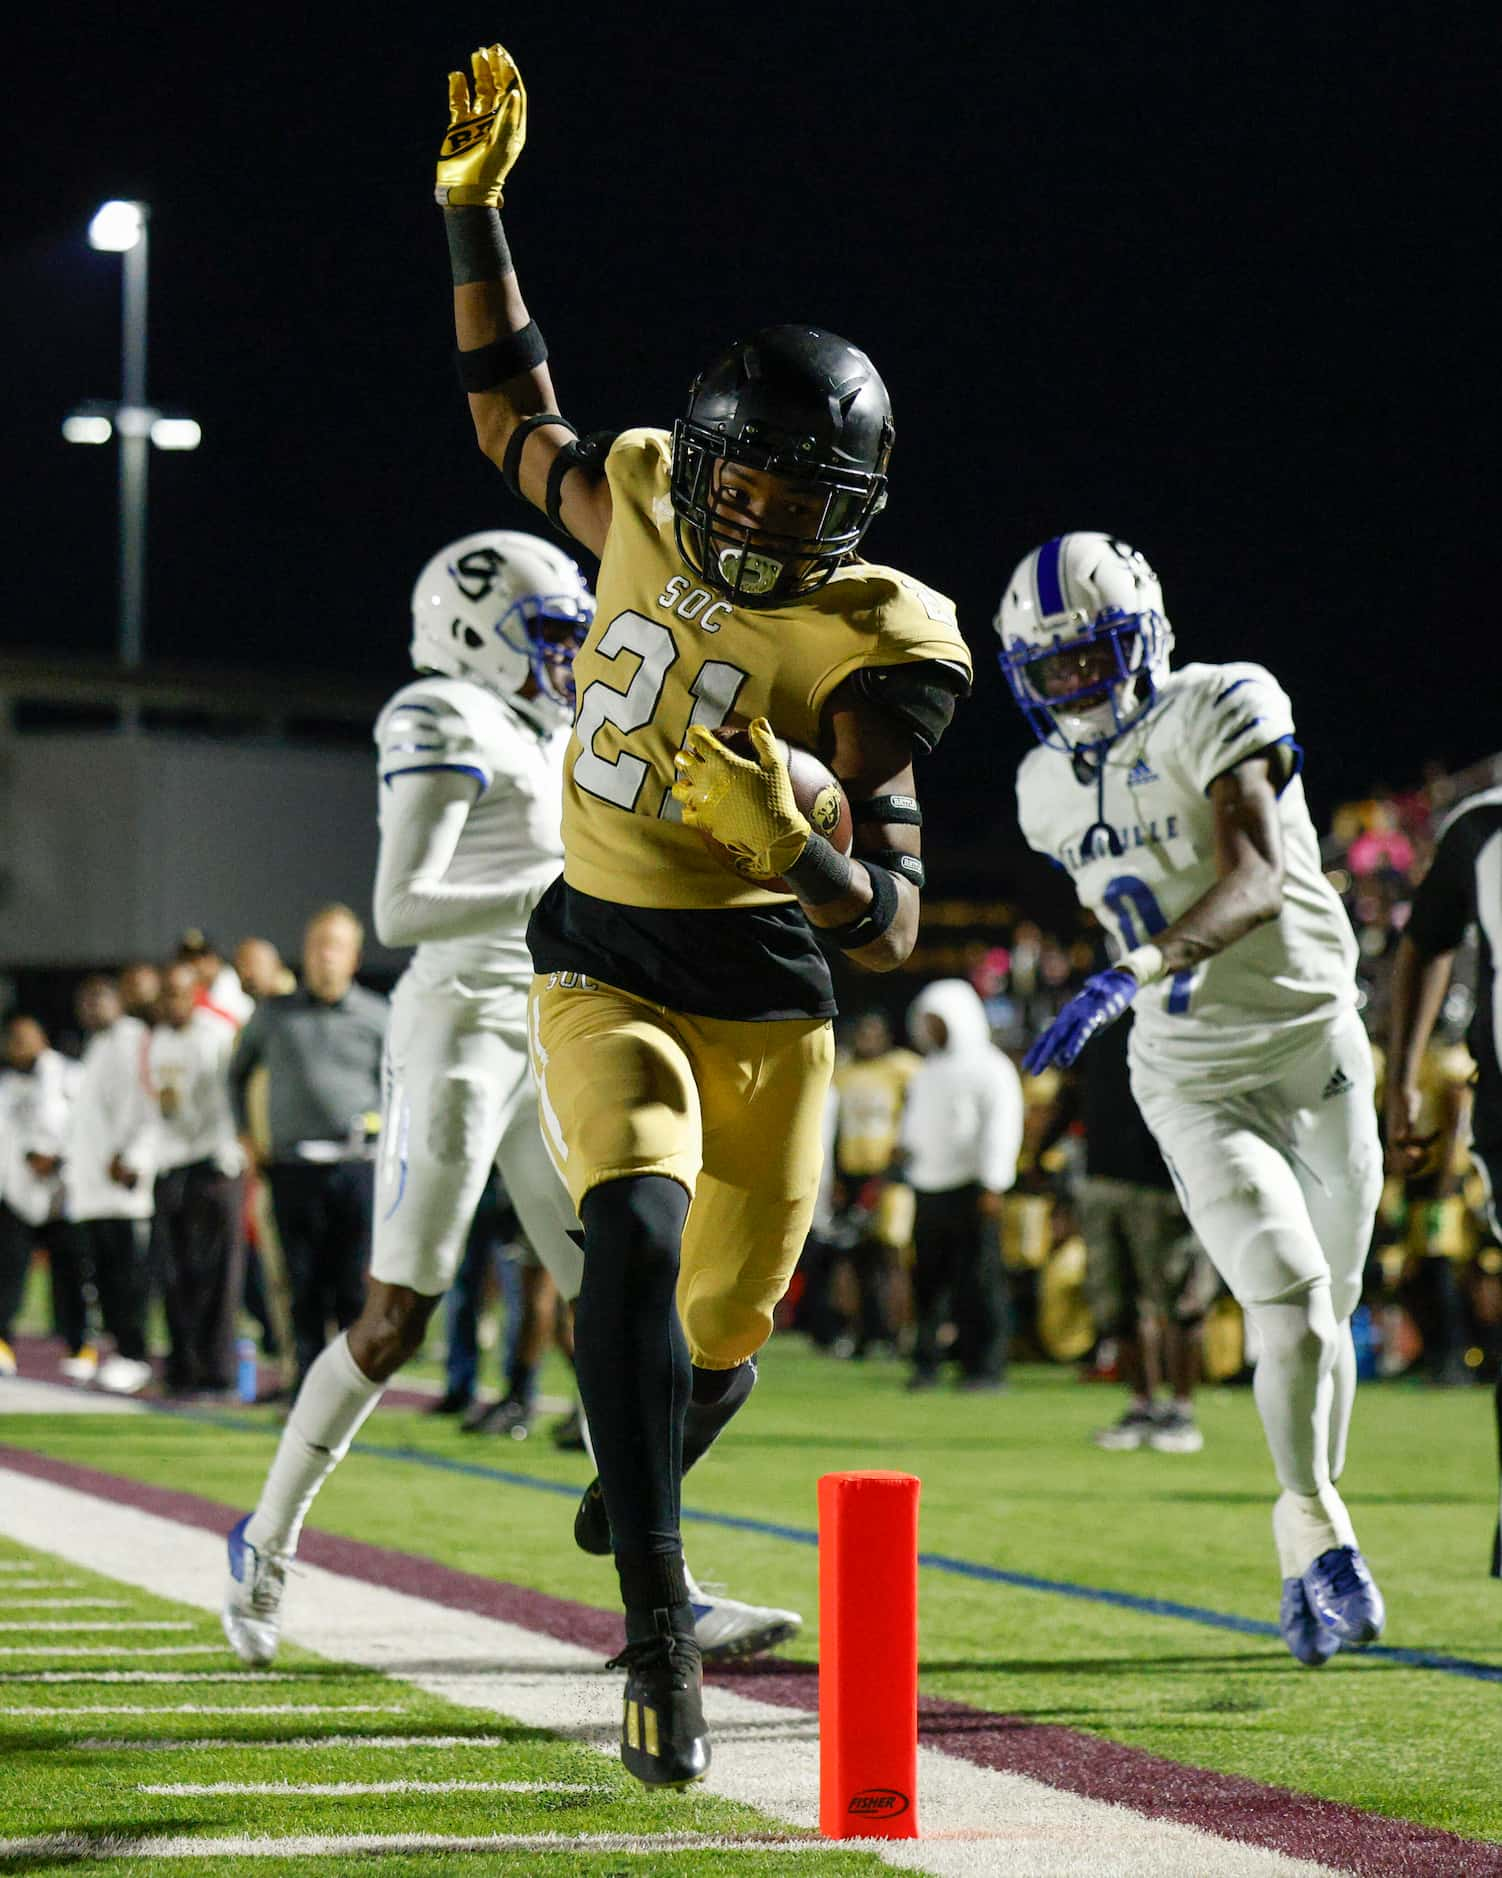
(1100, 1001)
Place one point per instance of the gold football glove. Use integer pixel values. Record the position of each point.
(485, 137)
(746, 806)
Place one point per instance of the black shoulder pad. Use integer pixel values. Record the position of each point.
(921, 696)
(586, 453)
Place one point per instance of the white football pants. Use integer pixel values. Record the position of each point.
(457, 1096)
(1281, 1184)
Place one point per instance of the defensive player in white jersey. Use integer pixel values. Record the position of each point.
(471, 774)
(1174, 801)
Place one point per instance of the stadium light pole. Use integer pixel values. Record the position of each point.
(121, 228)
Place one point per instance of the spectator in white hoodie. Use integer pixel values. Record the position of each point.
(110, 1217)
(961, 1133)
(36, 1091)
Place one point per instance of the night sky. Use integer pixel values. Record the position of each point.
(1203, 280)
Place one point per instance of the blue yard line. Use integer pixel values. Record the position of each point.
(931, 1561)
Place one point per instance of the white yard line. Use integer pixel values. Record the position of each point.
(55, 1713)
(58, 1604)
(253, 1680)
(112, 1624)
(347, 1845)
(34, 1584)
(111, 1649)
(764, 1756)
(334, 1789)
(159, 1744)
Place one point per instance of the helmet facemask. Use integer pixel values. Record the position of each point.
(548, 630)
(1119, 658)
(737, 556)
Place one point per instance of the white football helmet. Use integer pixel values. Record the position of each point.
(1084, 639)
(501, 607)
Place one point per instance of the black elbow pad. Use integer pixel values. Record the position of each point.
(921, 697)
(586, 453)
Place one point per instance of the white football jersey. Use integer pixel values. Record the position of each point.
(514, 749)
(1236, 1019)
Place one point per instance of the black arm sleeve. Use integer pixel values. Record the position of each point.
(921, 696)
(1446, 902)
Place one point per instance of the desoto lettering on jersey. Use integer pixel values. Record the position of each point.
(1232, 1020)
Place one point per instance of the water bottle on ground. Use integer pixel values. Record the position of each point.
(247, 1377)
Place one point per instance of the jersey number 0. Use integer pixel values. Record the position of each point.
(619, 779)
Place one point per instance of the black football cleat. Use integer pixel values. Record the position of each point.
(664, 1741)
(592, 1522)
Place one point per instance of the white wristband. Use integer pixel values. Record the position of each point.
(1145, 964)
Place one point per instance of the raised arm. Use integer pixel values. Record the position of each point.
(502, 358)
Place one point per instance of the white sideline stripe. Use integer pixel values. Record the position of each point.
(54, 1713)
(17, 1565)
(152, 1744)
(248, 1678)
(57, 1604)
(21, 1395)
(981, 1821)
(37, 1584)
(110, 1649)
(106, 1623)
(345, 1845)
(333, 1789)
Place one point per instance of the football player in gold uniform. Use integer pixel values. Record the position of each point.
(680, 1017)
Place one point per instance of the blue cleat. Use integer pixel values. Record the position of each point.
(1343, 1595)
(1308, 1640)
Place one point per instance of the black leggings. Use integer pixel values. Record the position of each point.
(631, 1357)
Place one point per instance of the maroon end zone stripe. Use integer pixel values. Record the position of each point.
(1228, 1806)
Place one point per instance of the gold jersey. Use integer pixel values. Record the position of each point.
(642, 905)
(871, 1092)
(665, 653)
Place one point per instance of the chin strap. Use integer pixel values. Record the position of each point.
(1084, 768)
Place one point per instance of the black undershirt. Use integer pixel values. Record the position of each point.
(749, 964)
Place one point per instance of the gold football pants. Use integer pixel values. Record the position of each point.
(732, 1111)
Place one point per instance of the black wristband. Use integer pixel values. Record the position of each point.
(907, 865)
(511, 462)
(889, 809)
(487, 368)
(477, 245)
(820, 873)
(877, 917)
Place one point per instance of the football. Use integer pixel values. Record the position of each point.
(816, 790)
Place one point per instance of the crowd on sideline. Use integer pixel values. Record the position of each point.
(211, 1146)
(207, 1148)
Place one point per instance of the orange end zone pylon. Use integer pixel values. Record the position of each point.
(868, 1656)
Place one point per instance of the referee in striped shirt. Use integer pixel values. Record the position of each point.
(1463, 888)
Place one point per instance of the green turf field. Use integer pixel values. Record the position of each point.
(1009, 1481)
(77, 1772)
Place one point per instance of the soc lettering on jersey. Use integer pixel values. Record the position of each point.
(1235, 1020)
(665, 654)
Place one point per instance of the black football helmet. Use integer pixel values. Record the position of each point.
(797, 403)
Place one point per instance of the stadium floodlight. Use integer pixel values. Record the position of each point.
(82, 428)
(118, 226)
(122, 228)
(176, 433)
